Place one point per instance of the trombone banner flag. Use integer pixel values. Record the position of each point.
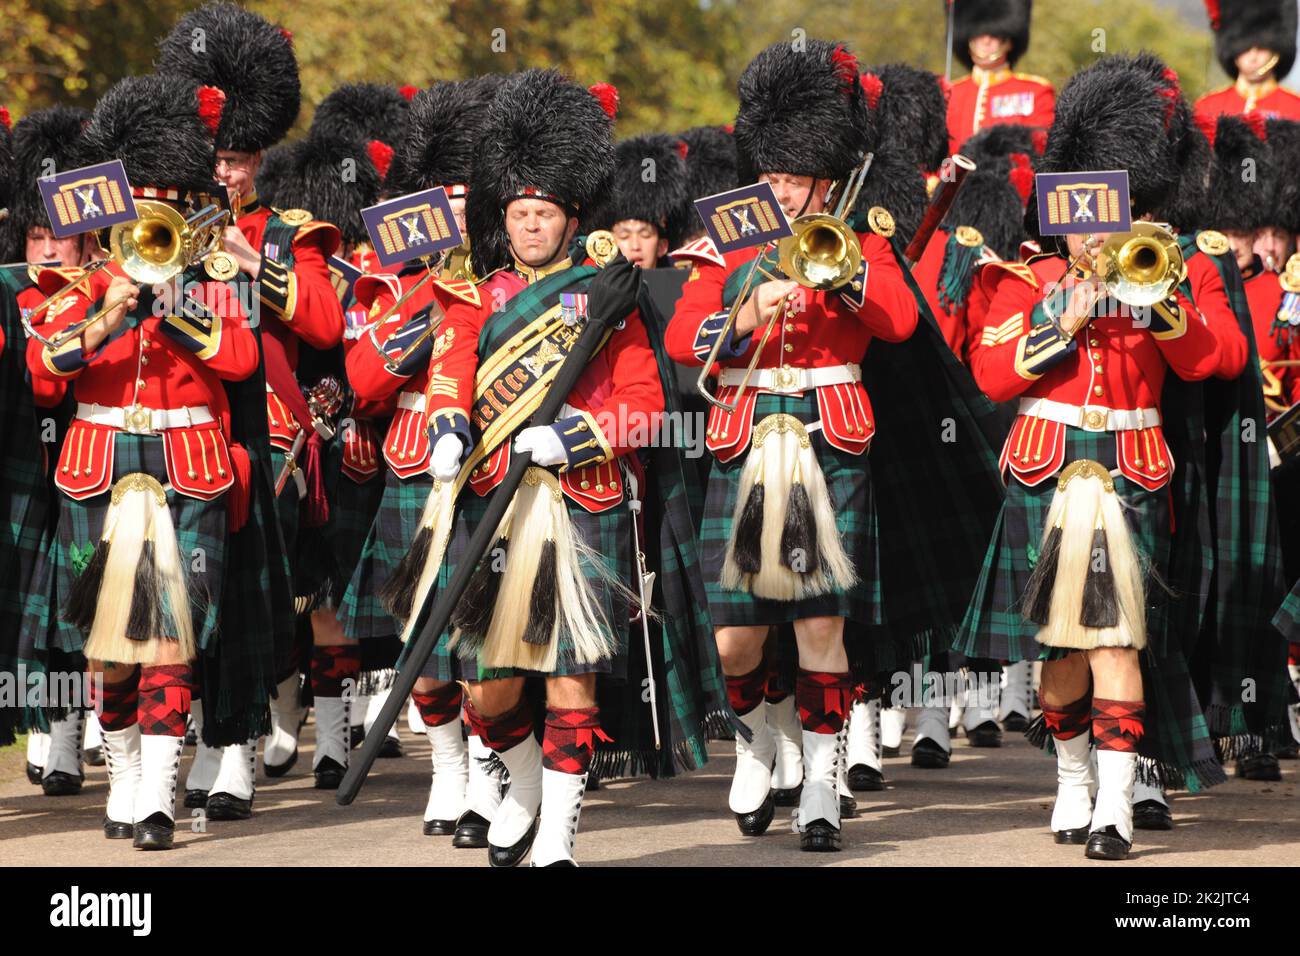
(92, 197)
(744, 217)
(1083, 202)
(410, 226)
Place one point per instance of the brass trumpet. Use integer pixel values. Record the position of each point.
(1141, 267)
(154, 248)
(821, 253)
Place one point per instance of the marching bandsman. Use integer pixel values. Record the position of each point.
(550, 598)
(794, 452)
(46, 142)
(647, 205)
(151, 410)
(710, 169)
(437, 150)
(989, 36)
(1254, 41)
(286, 252)
(1089, 378)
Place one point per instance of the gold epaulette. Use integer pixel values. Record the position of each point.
(1018, 269)
(1212, 243)
(462, 289)
(293, 217)
(881, 221)
(1033, 78)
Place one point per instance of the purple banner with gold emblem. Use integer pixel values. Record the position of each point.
(1083, 202)
(411, 226)
(744, 217)
(92, 197)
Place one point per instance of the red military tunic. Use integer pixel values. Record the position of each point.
(48, 394)
(1211, 299)
(928, 272)
(295, 304)
(164, 376)
(1001, 96)
(1266, 297)
(1107, 377)
(824, 330)
(1271, 100)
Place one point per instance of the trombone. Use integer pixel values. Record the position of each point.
(154, 248)
(455, 264)
(821, 253)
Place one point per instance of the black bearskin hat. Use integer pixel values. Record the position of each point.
(161, 127)
(363, 111)
(897, 184)
(311, 178)
(999, 18)
(442, 129)
(993, 200)
(653, 192)
(275, 165)
(1107, 118)
(237, 51)
(544, 137)
(46, 135)
(803, 112)
(1284, 205)
(1242, 174)
(1001, 140)
(710, 169)
(1240, 25)
(911, 114)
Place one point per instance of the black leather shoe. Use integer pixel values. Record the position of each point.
(34, 774)
(439, 827)
(848, 807)
(1076, 837)
(756, 822)
(1289, 752)
(94, 756)
(929, 756)
(471, 832)
(60, 784)
(156, 832)
(356, 734)
(1258, 767)
(117, 831)
(390, 748)
(196, 799)
(862, 777)
(279, 770)
(1107, 844)
(888, 751)
(506, 856)
(329, 774)
(1152, 815)
(819, 837)
(1015, 723)
(787, 798)
(225, 806)
(987, 734)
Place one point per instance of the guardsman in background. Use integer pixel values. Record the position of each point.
(989, 36)
(286, 253)
(1254, 41)
(148, 379)
(809, 422)
(647, 206)
(710, 169)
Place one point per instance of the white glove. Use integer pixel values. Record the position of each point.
(444, 463)
(543, 444)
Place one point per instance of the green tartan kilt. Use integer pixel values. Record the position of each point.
(200, 525)
(390, 534)
(327, 557)
(848, 480)
(288, 509)
(608, 535)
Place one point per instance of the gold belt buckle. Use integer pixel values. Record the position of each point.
(786, 378)
(138, 420)
(1094, 420)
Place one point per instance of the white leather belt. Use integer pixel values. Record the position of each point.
(787, 379)
(143, 421)
(1092, 418)
(411, 401)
